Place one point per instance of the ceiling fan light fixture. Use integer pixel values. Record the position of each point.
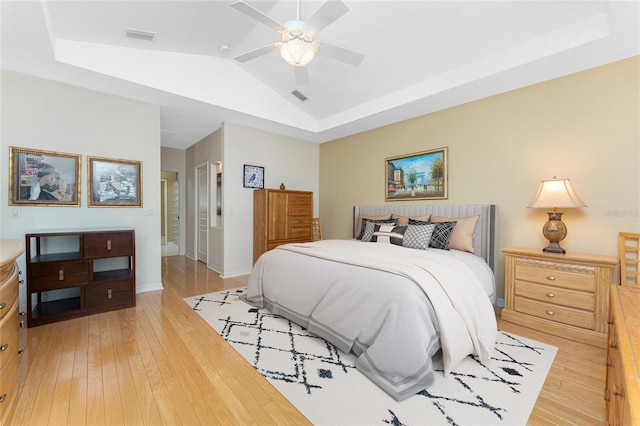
(297, 52)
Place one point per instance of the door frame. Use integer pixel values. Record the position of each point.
(196, 251)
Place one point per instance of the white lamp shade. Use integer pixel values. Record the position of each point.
(556, 193)
(297, 52)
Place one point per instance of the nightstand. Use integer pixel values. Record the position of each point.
(562, 294)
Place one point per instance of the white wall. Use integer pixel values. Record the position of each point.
(291, 161)
(47, 115)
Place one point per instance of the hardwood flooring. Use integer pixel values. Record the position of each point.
(160, 363)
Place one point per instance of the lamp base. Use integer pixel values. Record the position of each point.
(554, 231)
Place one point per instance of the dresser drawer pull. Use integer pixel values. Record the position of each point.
(613, 343)
(20, 351)
(609, 363)
(3, 397)
(61, 274)
(108, 244)
(617, 391)
(606, 395)
(549, 312)
(2, 305)
(551, 295)
(609, 320)
(109, 294)
(551, 278)
(4, 347)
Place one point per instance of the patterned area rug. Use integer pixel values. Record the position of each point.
(324, 385)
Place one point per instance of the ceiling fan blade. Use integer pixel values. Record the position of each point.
(343, 55)
(328, 12)
(258, 52)
(302, 76)
(254, 13)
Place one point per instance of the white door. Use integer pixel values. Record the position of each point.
(203, 212)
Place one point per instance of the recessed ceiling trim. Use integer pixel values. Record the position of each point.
(139, 34)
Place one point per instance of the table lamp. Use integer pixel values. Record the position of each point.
(554, 194)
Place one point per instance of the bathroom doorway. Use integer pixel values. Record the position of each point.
(170, 213)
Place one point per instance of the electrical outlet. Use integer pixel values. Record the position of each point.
(15, 212)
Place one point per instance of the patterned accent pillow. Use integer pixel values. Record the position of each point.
(368, 227)
(417, 236)
(441, 235)
(388, 234)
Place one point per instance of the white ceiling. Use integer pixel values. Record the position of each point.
(420, 56)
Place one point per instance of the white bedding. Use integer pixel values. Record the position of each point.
(371, 299)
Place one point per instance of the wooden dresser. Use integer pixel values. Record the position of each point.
(9, 324)
(280, 217)
(622, 393)
(76, 273)
(562, 294)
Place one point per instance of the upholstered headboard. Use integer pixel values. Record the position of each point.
(485, 236)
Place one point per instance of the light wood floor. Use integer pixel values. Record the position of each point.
(160, 363)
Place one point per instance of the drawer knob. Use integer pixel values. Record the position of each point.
(4, 347)
(551, 278)
(2, 305)
(549, 312)
(606, 395)
(551, 295)
(613, 343)
(617, 391)
(609, 363)
(61, 274)
(20, 352)
(3, 397)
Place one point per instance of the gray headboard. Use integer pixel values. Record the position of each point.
(485, 236)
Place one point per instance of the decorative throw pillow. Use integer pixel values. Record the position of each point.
(442, 235)
(404, 220)
(388, 234)
(418, 236)
(362, 217)
(368, 227)
(462, 237)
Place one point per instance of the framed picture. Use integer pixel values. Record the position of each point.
(253, 177)
(114, 183)
(418, 176)
(43, 178)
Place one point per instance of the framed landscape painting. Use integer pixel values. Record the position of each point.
(43, 178)
(114, 183)
(417, 176)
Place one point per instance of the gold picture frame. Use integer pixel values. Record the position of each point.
(114, 182)
(417, 176)
(43, 178)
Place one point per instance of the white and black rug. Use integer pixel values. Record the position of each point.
(324, 385)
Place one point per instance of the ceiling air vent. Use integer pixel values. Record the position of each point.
(140, 35)
(299, 95)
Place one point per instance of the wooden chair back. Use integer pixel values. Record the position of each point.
(316, 229)
(629, 253)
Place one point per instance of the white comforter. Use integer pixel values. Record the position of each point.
(393, 307)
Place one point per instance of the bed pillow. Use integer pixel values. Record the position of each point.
(368, 227)
(404, 220)
(389, 234)
(418, 236)
(441, 233)
(362, 218)
(462, 237)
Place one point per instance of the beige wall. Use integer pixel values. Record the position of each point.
(583, 126)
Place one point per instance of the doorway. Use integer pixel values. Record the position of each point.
(169, 213)
(202, 213)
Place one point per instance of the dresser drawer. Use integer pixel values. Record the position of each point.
(103, 288)
(108, 244)
(300, 233)
(107, 294)
(550, 276)
(8, 384)
(9, 334)
(56, 275)
(556, 313)
(9, 292)
(556, 295)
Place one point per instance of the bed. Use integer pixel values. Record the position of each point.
(394, 307)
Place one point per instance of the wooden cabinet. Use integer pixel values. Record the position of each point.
(71, 274)
(280, 217)
(561, 294)
(622, 393)
(9, 325)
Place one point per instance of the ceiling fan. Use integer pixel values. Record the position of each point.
(298, 46)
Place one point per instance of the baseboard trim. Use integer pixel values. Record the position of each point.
(149, 287)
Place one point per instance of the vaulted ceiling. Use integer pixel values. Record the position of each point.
(419, 57)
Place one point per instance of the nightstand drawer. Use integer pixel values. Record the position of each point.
(109, 244)
(555, 313)
(552, 276)
(556, 295)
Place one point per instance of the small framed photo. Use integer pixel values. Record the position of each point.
(418, 176)
(114, 183)
(253, 177)
(43, 178)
